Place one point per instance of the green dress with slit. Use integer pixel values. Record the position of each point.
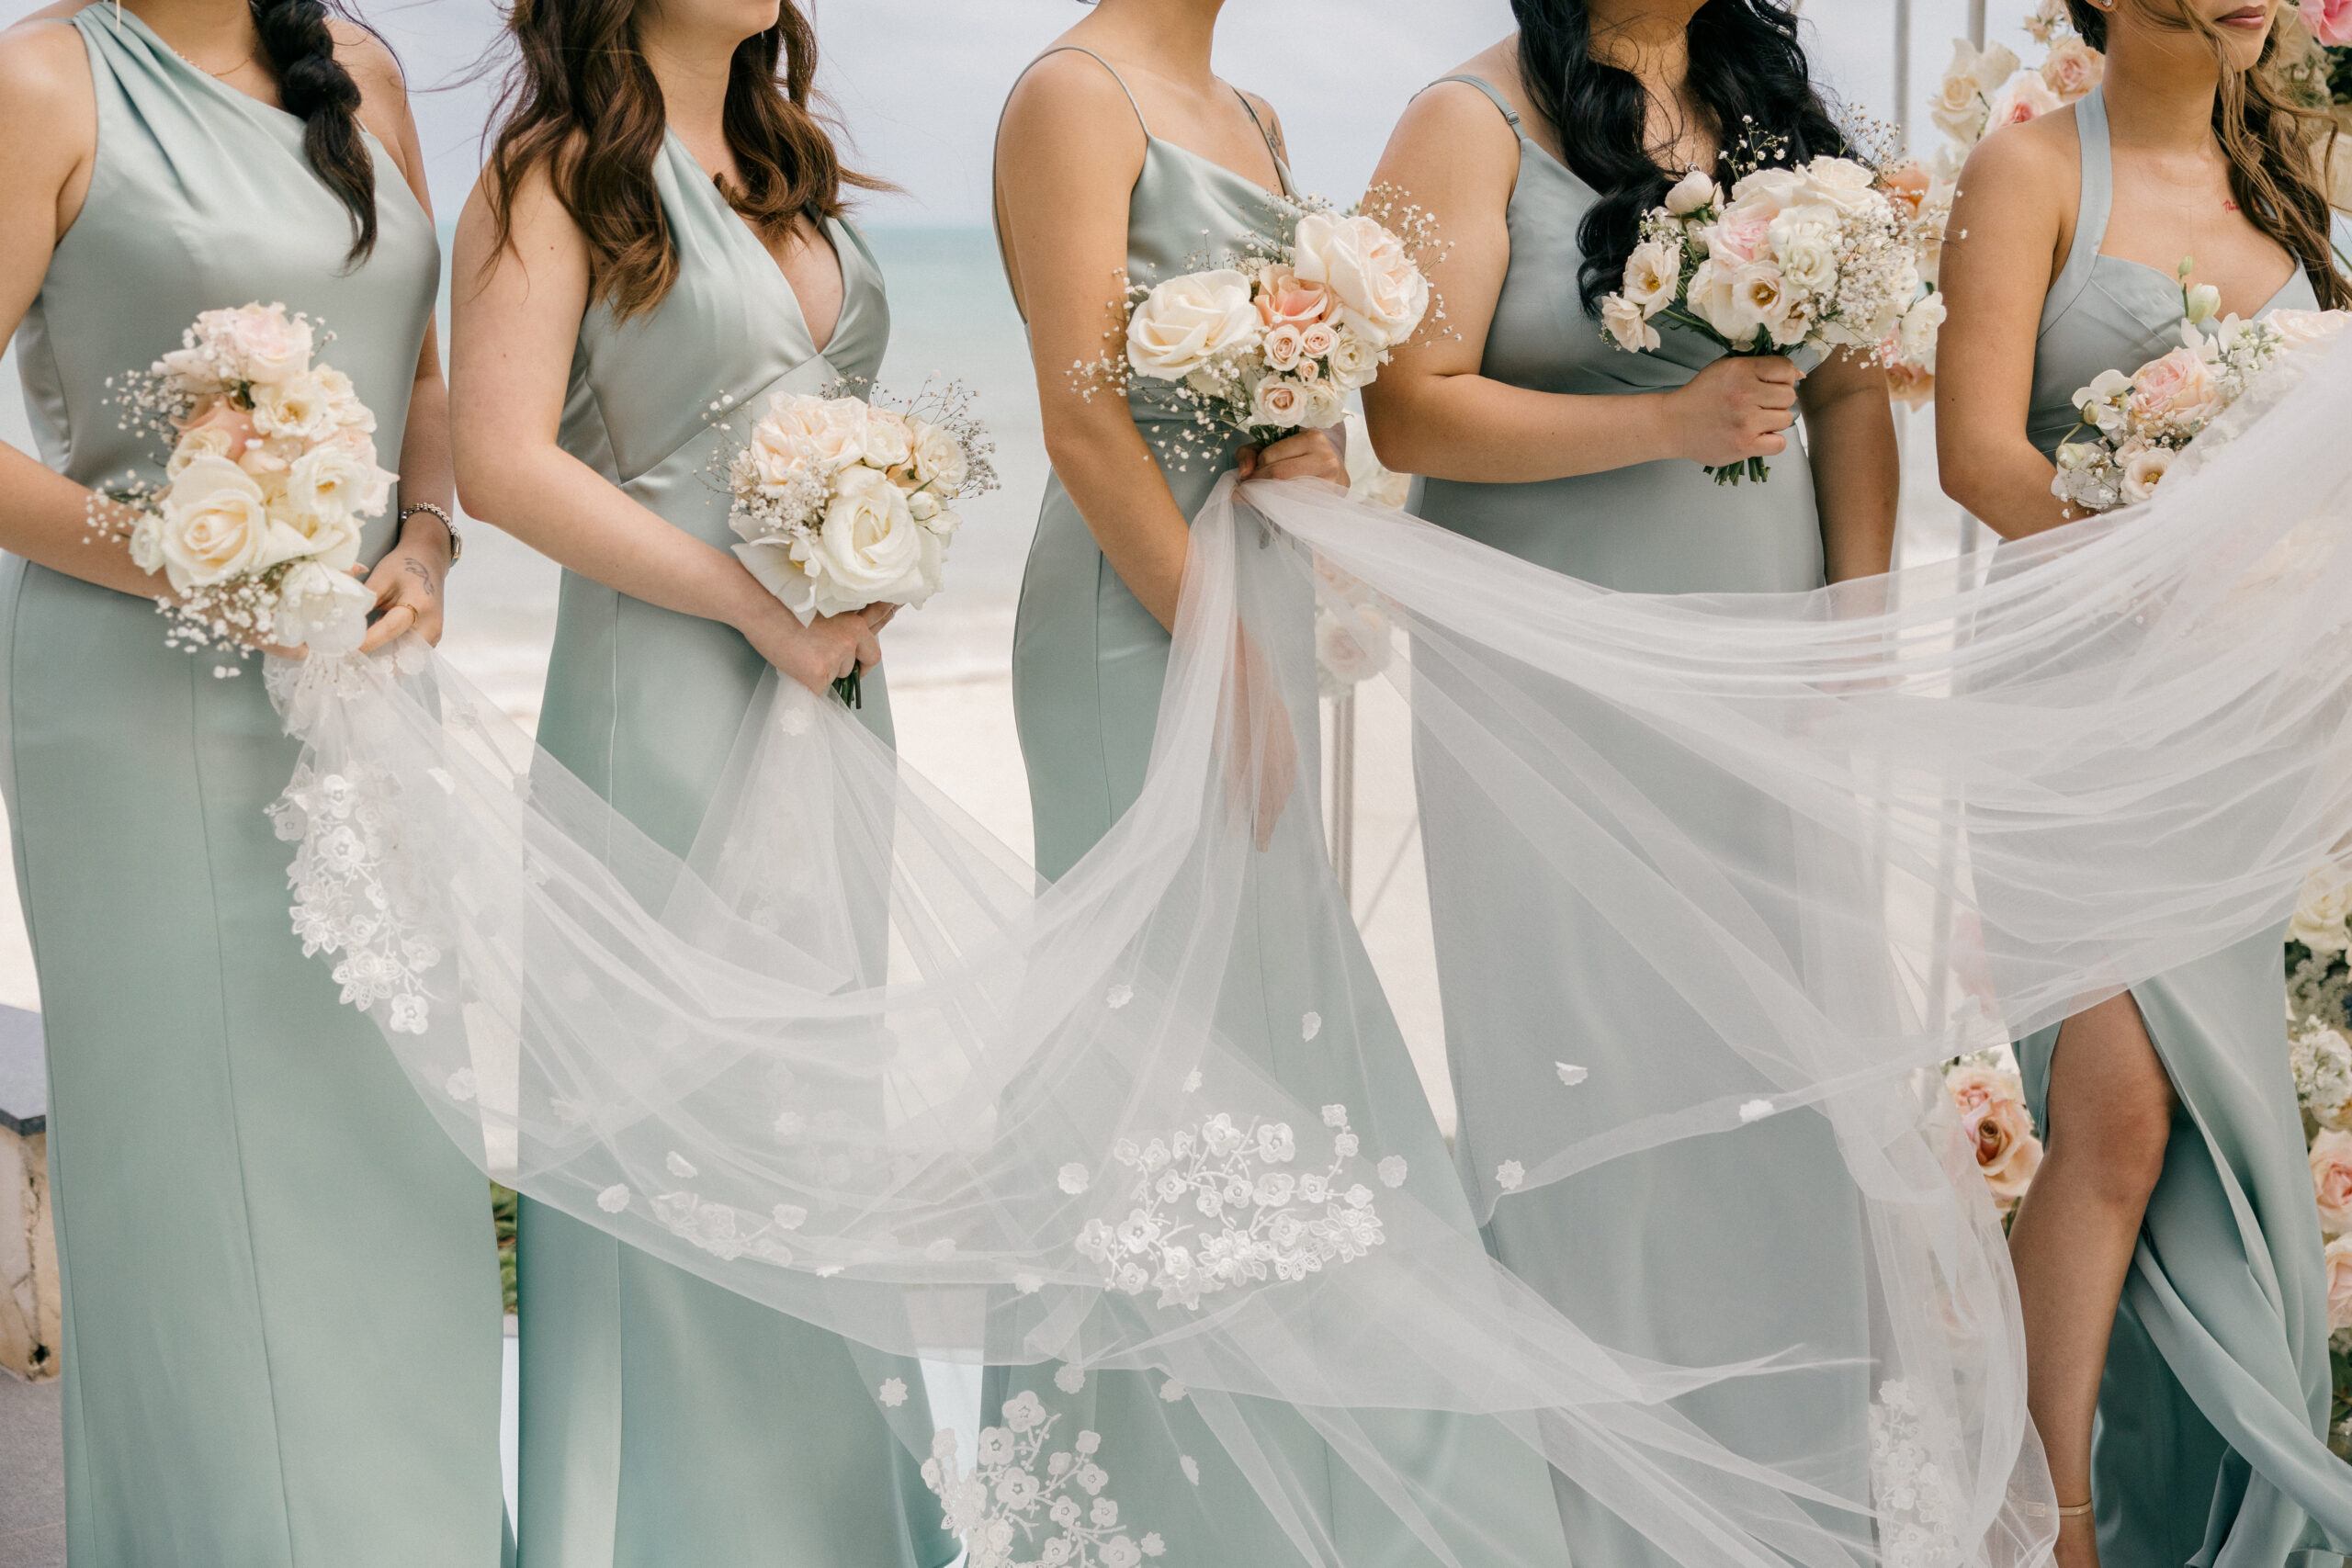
(281, 1337)
(667, 1422)
(2209, 1446)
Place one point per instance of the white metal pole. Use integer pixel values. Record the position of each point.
(1976, 22)
(1343, 795)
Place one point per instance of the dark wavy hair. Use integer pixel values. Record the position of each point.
(1746, 69)
(2272, 143)
(582, 102)
(313, 86)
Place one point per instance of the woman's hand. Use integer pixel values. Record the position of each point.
(1734, 409)
(1309, 455)
(819, 653)
(407, 585)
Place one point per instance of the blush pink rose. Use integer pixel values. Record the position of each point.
(2332, 1180)
(2329, 21)
(2339, 1283)
(1285, 299)
(1993, 1115)
(2026, 96)
(221, 414)
(1910, 384)
(1740, 236)
(2074, 68)
(2179, 385)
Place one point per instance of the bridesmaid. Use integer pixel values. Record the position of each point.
(2168, 1254)
(1120, 153)
(1540, 437)
(281, 1291)
(660, 226)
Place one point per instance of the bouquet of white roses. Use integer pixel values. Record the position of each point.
(1814, 255)
(1275, 344)
(842, 503)
(273, 468)
(2143, 420)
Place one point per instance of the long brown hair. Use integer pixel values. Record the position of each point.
(314, 87)
(2272, 143)
(583, 101)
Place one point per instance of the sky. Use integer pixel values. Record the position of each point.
(918, 83)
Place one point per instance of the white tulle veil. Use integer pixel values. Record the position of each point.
(850, 1060)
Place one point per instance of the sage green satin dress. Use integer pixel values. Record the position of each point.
(666, 1422)
(282, 1332)
(1088, 665)
(1589, 1243)
(2209, 1446)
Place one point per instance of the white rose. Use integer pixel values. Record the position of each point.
(1958, 106)
(349, 412)
(298, 409)
(1352, 362)
(2322, 920)
(887, 441)
(1765, 294)
(1187, 321)
(1652, 275)
(1691, 192)
(1804, 243)
(1842, 184)
(204, 442)
(831, 432)
(2144, 469)
(215, 525)
(1321, 406)
(869, 547)
(2308, 326)
(1915, 338)
(1766, 190)
(1380, 292)
(940, 461)
(1278, 401)
(1629, 324)
(326, 493)
(321, 609)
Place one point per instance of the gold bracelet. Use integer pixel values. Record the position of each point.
(457, 540)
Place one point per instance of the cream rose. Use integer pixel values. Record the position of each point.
(866, 550)
(321, 609)
(1841, 184)
(1915, 337)
(2332, 1180)
(1629, 324)
(1805, 243)
(1715, 296)
(349, 412)
(298, 409)
(1278, 401)
(2322, 920)
(1353, 363)
(1321, 406)
(215, 524)
(939, 459)
(1999, 1129)
(1958, 105)
(1378, 289)
(2072, 69)
(1652, 274)
(271, 348)
(1744, 230)
(887, 440)
(1187, 321)
(1282, 347)
(1691, 192)
(202, 441)
(2143, 470)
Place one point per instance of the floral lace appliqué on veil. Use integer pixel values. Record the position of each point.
(1023, 1507)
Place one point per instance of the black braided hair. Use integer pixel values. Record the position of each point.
(314, 86)
(1746, 66)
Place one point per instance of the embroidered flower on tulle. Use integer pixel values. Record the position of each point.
(1215, 1209)
(1026, 1504)
(356, 896)
(893, 1391)
(1570, 1074)
(1917, 1500)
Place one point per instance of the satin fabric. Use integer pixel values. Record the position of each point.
(665, 1420)
(282, 1332)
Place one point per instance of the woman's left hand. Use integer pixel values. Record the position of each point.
(407, 585)
(1309, 455)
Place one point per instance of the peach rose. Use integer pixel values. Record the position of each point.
(1907, 184)
(2332, 1180)
(1286, 300)
(1993, 1115)
(235, 424)
(2074, 68)
(2339, 1283)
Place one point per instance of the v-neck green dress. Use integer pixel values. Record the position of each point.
(281, 1290)
(666, 1422)
(1088, 661)
(2209, 1446)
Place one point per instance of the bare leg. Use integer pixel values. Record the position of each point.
(2110, 1116)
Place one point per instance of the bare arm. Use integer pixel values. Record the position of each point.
(2006, 236)
(515, 315)
(48, 136)
(1857, 468)
(1433, 413)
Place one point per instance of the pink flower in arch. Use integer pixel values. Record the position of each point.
(2329, 21)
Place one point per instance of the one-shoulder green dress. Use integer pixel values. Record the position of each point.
(2209, 1446)
(1088, 661)
(1611, 1245)
(667, 1422)
(281, 1291)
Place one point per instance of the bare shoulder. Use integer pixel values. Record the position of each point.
(1068, 88)
(370, 60)
(43, 64)
(2039, 158)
